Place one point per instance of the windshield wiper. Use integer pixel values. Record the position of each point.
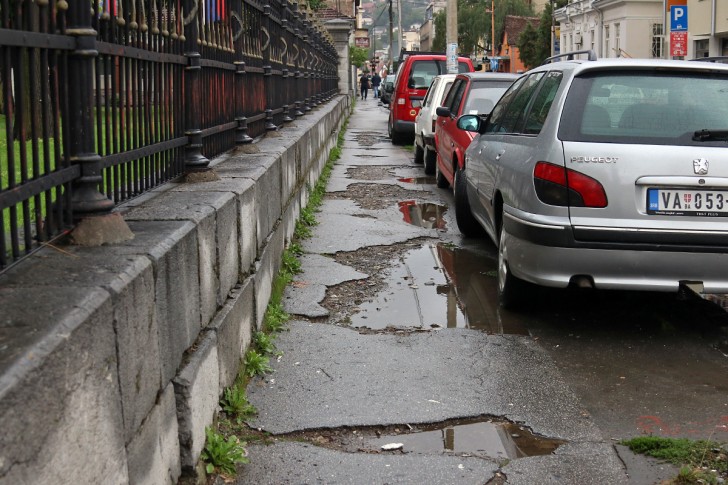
(705, 135)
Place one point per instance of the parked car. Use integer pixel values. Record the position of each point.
(387, 88)
(473, 94)
(580, 188)
(414, 76)
(425, 151)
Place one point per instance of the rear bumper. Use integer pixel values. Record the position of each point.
(404, 126)
(547, 254)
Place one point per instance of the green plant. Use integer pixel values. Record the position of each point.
(264, 343)
(308, 216)
(302, 230)
(296, 249)
(256, 364)
(290, 263)
(235, 402)
(222, 454)
(701, 461)
(275, 317)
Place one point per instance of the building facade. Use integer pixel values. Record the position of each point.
(613, 28)
(707, 28)
(427, 29)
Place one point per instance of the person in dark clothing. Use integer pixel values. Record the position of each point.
(364, 82)
(376, 81)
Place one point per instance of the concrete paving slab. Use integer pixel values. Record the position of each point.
(331, 376)
(308, 289)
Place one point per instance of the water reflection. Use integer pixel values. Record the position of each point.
(440, 286)
(417, 180)
(423, 214)
(483, 439)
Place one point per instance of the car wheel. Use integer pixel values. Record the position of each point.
(419, 153)
(430, 161)
(467, 224)
(511, 290)
(442, 182)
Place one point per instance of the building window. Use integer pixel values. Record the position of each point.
(617, 46)
(658, 38)
(701, 48)
(593, 41)
(606, 41)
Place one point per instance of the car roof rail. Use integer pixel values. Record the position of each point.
(591, 56)
(720, 59)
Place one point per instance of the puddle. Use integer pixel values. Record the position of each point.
(505, 441)
(423, 214)
(439, 286)
(418, 180)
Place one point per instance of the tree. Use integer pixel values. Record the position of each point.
(534, 44)
(474, 29)
(358, 56)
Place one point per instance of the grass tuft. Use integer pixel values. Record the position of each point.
(221, 455)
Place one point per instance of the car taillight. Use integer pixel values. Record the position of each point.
(434, 122)
(400, 100)
(557, 185)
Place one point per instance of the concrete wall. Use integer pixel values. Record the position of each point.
(113, 359)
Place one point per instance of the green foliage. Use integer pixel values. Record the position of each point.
(308, 216)
(295, 249)
(534, 44)
(290, 263)
(316, 4)
(302, 231)
(235, 402)
(256, 364)
(264, 343)
(474, 24)
(275, 317)
(222, 455)
(358, 56)
(697, 458)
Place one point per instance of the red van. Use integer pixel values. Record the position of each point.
(414, 76)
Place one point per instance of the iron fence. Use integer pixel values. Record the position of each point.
(103, 100)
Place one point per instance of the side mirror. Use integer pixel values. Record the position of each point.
(442, 111)
(470, 123)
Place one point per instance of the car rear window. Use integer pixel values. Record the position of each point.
(422, 72)
(483, 96)
(645, 107)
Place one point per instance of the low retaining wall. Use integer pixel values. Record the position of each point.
(113, 358)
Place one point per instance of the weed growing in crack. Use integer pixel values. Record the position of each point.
(290, 263)
(701, 461)
(302, 231)
(264, 343)
(235, 403)
(221, 455)
(256, 364)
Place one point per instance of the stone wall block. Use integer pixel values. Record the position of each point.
(196, 394)
(266, 270)
(233, 325)
(154, 453)
(60, 404)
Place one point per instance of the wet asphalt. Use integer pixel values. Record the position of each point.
(583, 369)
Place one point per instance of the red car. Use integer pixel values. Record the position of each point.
(471, 93)
(414, 76)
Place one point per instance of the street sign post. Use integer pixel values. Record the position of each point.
(452, 58)
(678, 44)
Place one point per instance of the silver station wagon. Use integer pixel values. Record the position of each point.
(608, 173)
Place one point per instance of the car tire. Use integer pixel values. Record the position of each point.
(467, 223)
(511, 289)
(419, 154)
(430, 161)
(397, 138)
(442, 182)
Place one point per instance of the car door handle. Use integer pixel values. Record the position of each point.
(500, 154)
(452, 144)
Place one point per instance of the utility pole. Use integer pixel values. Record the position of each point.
(492, 27)
(451, 36)
(391, 39)
(399, 25)
(553, 30)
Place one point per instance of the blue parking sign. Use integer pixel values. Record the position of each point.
(679, 18)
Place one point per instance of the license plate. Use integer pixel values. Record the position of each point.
(686, 202)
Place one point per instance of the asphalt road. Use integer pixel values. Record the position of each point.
(473, 393)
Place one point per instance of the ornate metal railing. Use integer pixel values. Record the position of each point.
(103, 100)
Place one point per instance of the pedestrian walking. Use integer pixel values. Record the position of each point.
(376, 81)
(364, 82)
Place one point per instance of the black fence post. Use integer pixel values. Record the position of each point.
(86, 199)
(268, 69)
(195, 161)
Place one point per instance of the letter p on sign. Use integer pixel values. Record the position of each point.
(679, 18)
